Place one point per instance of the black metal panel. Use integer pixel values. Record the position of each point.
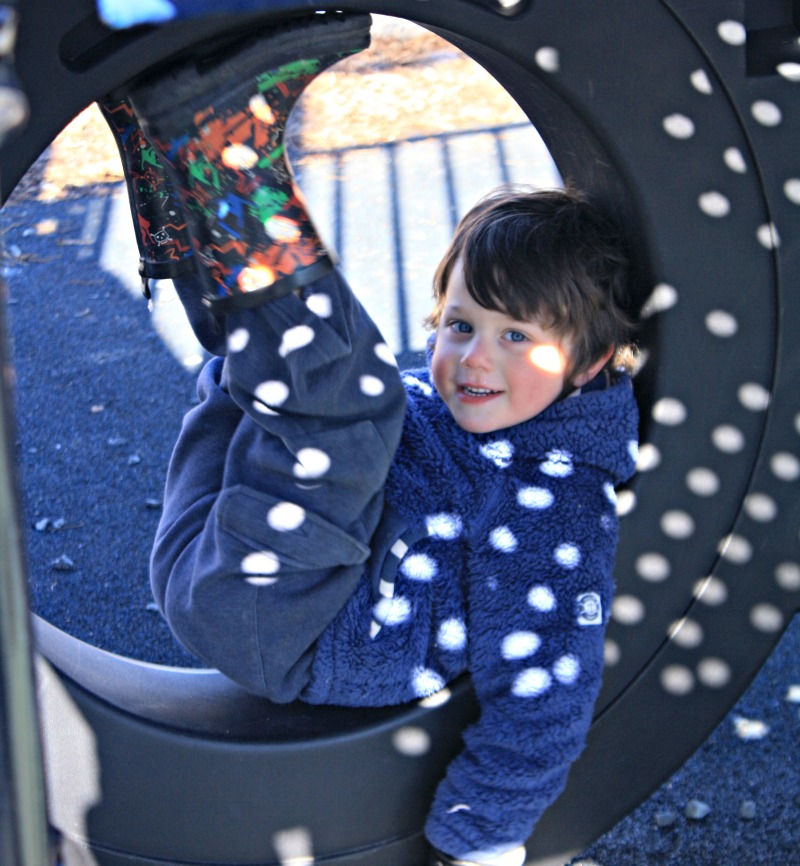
(659, 109)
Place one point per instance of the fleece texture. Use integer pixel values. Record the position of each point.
(493, 556)
(504, 570)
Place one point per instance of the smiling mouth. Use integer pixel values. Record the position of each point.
(476, 392)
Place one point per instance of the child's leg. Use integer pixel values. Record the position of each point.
(165, 246)
(269, 510)
(218, 123)
(253, 563)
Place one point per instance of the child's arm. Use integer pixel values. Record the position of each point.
(540, 589)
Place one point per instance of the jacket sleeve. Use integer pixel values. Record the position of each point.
(539, 593)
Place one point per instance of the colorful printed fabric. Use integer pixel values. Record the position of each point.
(239, 186)
(165, 247)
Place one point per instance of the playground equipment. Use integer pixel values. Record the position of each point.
(681, 117)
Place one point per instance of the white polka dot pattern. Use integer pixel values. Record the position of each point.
(520, 645)
(312, 463)
(446, 527)
(541, 598)
(419, 566)
(452, 635)
(295, 338)
(537, 498)
(503, 540)
(531, 683)
(238, 340)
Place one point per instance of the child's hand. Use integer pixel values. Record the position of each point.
(515, 857)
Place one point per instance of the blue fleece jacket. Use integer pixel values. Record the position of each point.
(508, 575)
(494, 556)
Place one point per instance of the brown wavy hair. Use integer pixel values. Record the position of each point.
(547, 256)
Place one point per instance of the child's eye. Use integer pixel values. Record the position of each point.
(515, 336)
(459, 327)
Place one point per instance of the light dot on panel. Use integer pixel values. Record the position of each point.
(789, 70)
(766, 618)
(547, 58)
(612, 654)
(711, 591)
(760, 507)
(663, 297)
(714, 204)
(785, 466)
(768, 236)
(311, 463)
(627, 610)
(653, 567)
(437, 699)
(272, 393)
(677, 524)
(736, 549)
(787, 576)
(626, 502)
(766, 113)
(678, 126)
(649, 458)
(753, 396)
(714, 673)
(295, 338)
(385, 354)
(371, 386)
(701, 82)
(294, 845)
(702, 481)
(320, 304)
(686, 633)
(238, 340)
(286, 516)
(677, 680)
(732, 32)
(412, 741)
(669, 411)
(734, 159)
(791, 189)
(722, 323)
(261, 562)
(728, 439)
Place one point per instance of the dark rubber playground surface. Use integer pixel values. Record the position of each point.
(100, 398)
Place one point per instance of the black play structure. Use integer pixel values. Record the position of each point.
(682, 117)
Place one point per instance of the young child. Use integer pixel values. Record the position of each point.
(337, 533)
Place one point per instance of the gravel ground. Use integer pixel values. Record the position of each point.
(100, 399)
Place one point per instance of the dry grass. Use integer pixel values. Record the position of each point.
(409, 82)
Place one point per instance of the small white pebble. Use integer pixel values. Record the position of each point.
(696, 810)
(747, 810)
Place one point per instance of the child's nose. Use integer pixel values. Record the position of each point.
(476, 355)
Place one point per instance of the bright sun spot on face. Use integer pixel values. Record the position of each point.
(548, 358)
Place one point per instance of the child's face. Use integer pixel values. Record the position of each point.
(493, 371)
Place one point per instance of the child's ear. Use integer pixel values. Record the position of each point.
(587, 375)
